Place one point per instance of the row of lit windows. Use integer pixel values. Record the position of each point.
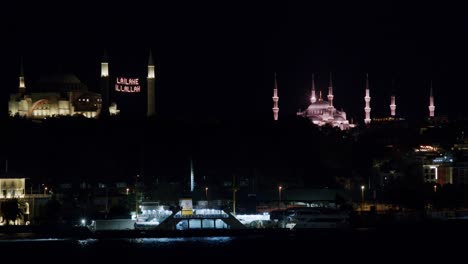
(41, 112)
(12, 193)
(319, 112)
(87, 99)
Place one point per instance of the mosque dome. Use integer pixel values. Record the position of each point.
(60, 78)
(59, 83)
(318, 105)
(322, 112)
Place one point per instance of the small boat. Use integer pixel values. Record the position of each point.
(315, 217)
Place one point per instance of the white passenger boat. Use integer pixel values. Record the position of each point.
(315, 217)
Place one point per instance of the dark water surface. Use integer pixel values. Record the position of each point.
(403, 244)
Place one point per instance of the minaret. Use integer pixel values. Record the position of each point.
(367, 99)
(192, 176)
(105, 86)
(22, 85)
(275, 101)
(313, 99)
(151, 87)
(392, 105)
(431, 103)
(330, 95)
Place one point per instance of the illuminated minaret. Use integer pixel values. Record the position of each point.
(392, 105)
(192, 176)
(313, 99)
(330, 95)
(367, 99)
(275, 101)
(431, 103)
(151, 86)
(22, 85)
(105, 86)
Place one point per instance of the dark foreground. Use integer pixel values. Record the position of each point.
(431, 242)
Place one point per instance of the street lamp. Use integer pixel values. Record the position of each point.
(362, 196)
(128, 190)
(435, 187)
(279, 196)
(206, 193)
(45, 190)
(362, 192)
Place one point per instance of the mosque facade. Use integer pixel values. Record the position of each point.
(65, 95)
(322, 112)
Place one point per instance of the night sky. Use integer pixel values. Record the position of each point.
(215, 60)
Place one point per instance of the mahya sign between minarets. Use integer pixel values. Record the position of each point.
(127, 85)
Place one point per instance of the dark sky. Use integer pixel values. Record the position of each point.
(216, 59)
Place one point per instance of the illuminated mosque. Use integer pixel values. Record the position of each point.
(322, 112)
(66, 95)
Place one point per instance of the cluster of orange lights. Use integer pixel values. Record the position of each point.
(426, 148)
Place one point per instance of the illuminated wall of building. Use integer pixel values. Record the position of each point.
(42, 105)
(12, 188)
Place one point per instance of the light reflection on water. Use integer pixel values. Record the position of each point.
(163, 242)
(87, 242)
(171, 240)
(17, 239)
